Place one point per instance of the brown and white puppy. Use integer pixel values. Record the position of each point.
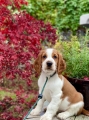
(63, 98)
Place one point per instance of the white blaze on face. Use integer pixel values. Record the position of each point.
(49, 58)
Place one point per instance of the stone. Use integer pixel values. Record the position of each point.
(84, 20)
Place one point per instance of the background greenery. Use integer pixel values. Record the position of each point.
(76, 55)
(63, 14)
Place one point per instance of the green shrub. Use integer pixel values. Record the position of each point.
(76, 55)
(62, 14)
(69, 13)
(42, 9)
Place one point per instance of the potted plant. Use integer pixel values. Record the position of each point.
(76, 55)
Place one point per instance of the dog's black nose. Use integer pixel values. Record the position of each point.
(49, 63)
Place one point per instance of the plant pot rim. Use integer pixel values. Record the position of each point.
(77, 80)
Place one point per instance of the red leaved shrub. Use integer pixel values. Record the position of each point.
(16, 109)
(20, 41)
(21, 36)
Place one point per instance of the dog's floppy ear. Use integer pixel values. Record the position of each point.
(61, 65)
(38, 63)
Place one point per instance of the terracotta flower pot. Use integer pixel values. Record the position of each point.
(83, 87)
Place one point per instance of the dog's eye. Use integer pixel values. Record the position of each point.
(44, 56)
(54, 56)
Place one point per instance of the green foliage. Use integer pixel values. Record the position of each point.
(76, 55)
(63, 14)
(4, 93)
(69, 13)
(42, 9)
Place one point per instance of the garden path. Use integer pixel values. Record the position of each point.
(80, 117)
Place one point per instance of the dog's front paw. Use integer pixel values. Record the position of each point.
(46, 117)
(63, 116)
(35, 111)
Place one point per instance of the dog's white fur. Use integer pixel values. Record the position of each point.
(53, 93)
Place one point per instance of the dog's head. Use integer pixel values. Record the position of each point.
(49, 61)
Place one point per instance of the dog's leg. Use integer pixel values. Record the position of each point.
(73, 110)
(52, 107)
(38, 108)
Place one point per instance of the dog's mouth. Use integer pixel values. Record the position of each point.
(49, 68)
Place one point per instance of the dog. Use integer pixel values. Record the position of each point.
(64, 100)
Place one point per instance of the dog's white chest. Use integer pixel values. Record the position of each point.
(52, 88)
